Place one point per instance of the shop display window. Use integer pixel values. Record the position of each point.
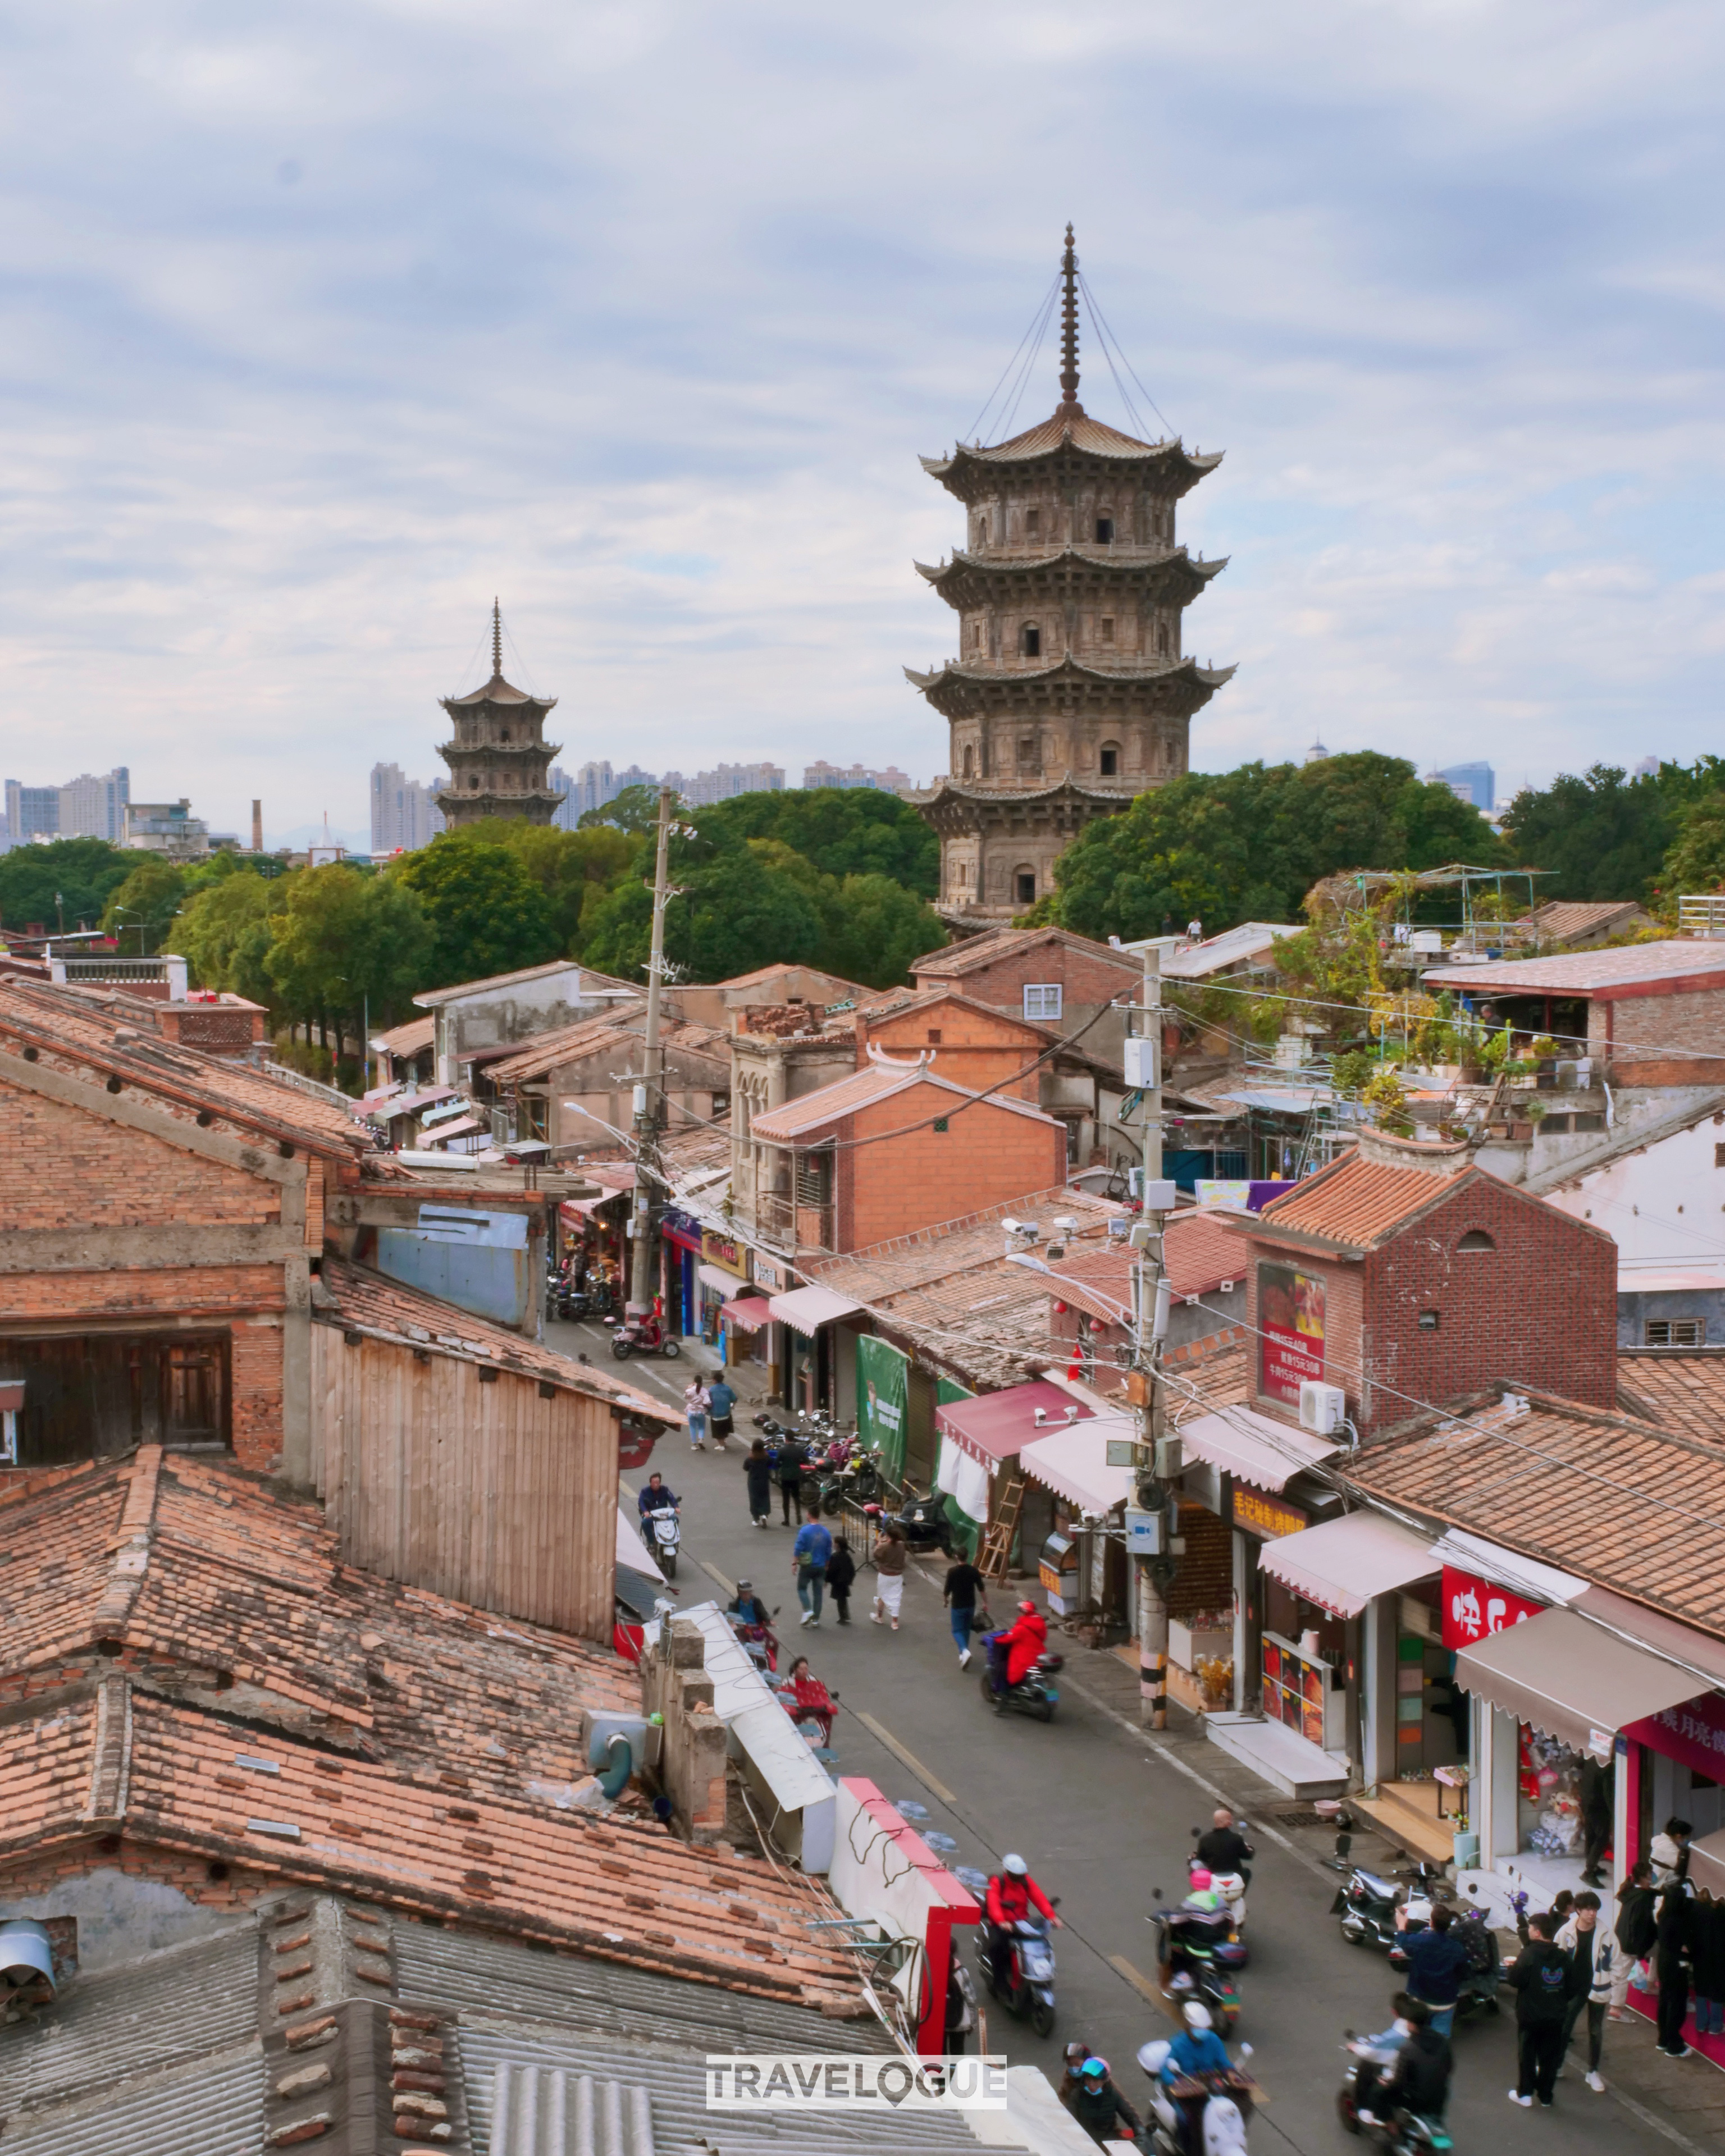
(1548, 1793)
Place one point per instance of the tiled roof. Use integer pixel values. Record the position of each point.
(80, 1035)
(1637, 1508)
(762, 974)
(590, 983)
(1070, 426)
(1566, 917)
(862, 1089)
(978, 951)
(1199, 1252)
(1586, 972)
(409, 1040)
(1685, 1392)
(1217, 954)
(353, 1296)
(1354, 1204)
(547, 1053)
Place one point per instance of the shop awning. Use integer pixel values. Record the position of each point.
(1074, 1464)
(1572, 1680)
(1660, 1635)
(805, 1310)
(1260, 1450)
(748, 1313)
(632, 1552)
(716, 1276)
(1342, 1564)
(411, 1103)
(578, 1209)
(1506, 1568)
(464, 1126)
(997, 1425)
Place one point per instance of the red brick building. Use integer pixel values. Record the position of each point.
(1406, 1277)
(1044, 974)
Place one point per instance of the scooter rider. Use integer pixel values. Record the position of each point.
(1380, 2058)
(654, 1494)
(1420, 2079)
(1196, 2052)
(1012, 1893)
(1099, 2107)
(1225, 1848)
(1202, 1921)
(1016, 1652)
(747, 1606)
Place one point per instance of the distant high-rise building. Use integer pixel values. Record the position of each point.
(1469, 782)
(590, 788)
(404, 812)
(165, 827)
(32, 812)
(87, 806)
(889, 781)
(729, 780)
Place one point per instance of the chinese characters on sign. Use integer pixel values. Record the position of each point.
(1266, 1517)
(1474, 1609)
(1291, 1319)
(1693, 1734)
(721, 1251)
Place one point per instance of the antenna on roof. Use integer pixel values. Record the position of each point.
(496, 640)
(1068, 323)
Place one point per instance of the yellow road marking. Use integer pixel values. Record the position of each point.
(906, 1757)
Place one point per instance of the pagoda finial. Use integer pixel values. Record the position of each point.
(496, 640)
(1069, 324)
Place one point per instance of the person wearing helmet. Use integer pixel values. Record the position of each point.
(1197, 2052)
(1199, 1925)
(1012, 1895)
(1016, 1650)
(747, 1605)
(1099, 2107)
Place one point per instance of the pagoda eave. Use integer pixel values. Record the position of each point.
(460, 753)
(969, 580)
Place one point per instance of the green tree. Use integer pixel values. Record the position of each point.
(636, 809)
(1695, 861)
(1607, 835)
(734, 914)
(140, 911)
(340, 942)
(1248, 845)
(873, 929)
(225, 934)
(844, 831)
(485, 913)
(66, 883)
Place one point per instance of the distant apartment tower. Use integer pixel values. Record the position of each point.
(731, 779)
(404, 812)
(889, 781)
(87, 806)
(165, 827)
(588, 788)
(1469, 782)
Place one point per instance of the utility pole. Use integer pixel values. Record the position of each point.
(1150, 1301)
(650, 1091)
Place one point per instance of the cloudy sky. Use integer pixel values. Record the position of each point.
(322, 323)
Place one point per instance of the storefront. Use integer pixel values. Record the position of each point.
(722, 1273)
(809, 1374)
(1089, 1497)
(590, 1230)
(680, 1240)
(979, 1468)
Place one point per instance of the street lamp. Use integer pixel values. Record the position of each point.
(140, 920)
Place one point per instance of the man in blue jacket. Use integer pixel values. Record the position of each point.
(809, 1553)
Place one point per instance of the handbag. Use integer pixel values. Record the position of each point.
(980, 1620)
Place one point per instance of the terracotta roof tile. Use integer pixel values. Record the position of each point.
(978, 952)
(550, 1052)
(1585, 973)
(1355, 1203)
(1685, 1392)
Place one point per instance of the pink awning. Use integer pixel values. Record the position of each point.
(748, 1312)
(995, 1426)
(462, 1127)
(1344, 1563)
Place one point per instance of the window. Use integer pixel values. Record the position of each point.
(934, 1036)
(536, 1110)
(1105, 627)
(1675, 1333)
(969, 762)
(1027, 753)
(1042, 999)
(1105, 531)
(814, 1178)
(939, 1122)
(1025, 882)
(1033, 523)
(1031, 640)
(1719, 1156)
(1108, 757)
(1476, 1239)
(1428, 1321)
(1161, 640)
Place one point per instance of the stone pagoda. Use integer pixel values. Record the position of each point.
(1070, 693)
(500, 758)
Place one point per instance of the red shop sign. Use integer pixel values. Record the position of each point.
(1693, 1734)
(1474, 1609)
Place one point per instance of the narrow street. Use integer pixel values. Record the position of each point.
(1103, 1814)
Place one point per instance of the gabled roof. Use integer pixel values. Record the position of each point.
(1565, 919)
(1681, 1390)
(978, 952)
(1218, 954)
(1199, 1252)
(1355, 1203)
(600, 987)
(548, 1053)
(762, 974)
(412, 1039)
(1696, 960)
(1069, 426)
(864, 1089)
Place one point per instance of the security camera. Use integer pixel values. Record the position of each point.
(1012, 1227)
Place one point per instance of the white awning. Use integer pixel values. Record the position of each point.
(807, 1309)
(1506, 1568)
(716, 1276)
(1344, 1564)
(1256, 1448)
(1074, 1464)
(1569, 1680)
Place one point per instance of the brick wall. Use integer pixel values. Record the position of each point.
(1693, 1019)
(1086, 976)
(242, 1886)
(1205, 1578)
(141, 1291)
(255, 1378)
(987, 1156)
(217, 1029)
(60, 1167)
(1343, 1314)
(975, 1049)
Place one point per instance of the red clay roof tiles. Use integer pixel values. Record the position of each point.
(1355, 1203)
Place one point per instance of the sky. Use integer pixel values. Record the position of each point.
(322, 325)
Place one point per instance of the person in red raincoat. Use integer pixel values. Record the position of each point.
(1027, 1639)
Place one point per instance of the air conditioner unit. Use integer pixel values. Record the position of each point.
(1322, 1408)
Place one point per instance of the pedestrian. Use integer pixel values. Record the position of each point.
(723, 1400)
(791, 1457)
(1670, 1852)
(1539, 1977)
(964, 1588)
(1437, 1961)
(1706, 1956)
(809, 1553)
(1595, 1819)
(758, 1469)
(1593, 1951)
(890, 1555)
(841, 1571)
(1670, 1965)
(697, 1400)
(1636, 1930)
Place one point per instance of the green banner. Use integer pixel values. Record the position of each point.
(966, 1533)
(883, 1393)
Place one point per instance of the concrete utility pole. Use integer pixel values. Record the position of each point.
(1150, 1299)
(649, 1092)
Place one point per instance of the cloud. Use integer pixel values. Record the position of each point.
(323, 324)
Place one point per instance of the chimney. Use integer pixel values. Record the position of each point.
(257, 827)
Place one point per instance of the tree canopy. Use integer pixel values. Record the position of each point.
(844, 831)
(485, 913)
(1607, 835)
(1248, 845)
(66, 883)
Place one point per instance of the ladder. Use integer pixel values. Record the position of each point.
(1003, 1526)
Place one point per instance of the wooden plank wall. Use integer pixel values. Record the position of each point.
(484, 1492)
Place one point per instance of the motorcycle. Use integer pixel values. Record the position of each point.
(1201, 1963)
(921, 1521)
(759, 1639)
(1228, 2105)
(667, 1537)
(1228, 1887)
(1367, 1905)
(856, 1479)
(644, 1336)
(1035, 1693)
(1405, 2133)
(1029, 1971)
(1478, 1988)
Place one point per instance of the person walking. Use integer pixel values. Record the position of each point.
(964, 1588)
(1596, 1808)
(1437, 1961)
(791, 1457)
(1706, 1959)
(1636, 1931)
(1672, 1941)
(809, 1553)
(1539, 1977)
(889, 1554)
(696, 1401)
(758, 1470)
(841, 1571)
(722, 1400)
(1593, 1951)
(1670, 1852)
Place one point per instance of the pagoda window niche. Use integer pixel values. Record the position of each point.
(1161, 640)
(1030, 640)
(1108, 759)
(1105, 531)
(1105, 629)
(1033, 524)
(969, 761)
(1023, 886)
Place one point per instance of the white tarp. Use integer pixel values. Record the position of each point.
(964, 1480)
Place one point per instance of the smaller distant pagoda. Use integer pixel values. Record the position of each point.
(500, 759)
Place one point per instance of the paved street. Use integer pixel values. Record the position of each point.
(1103, 1814)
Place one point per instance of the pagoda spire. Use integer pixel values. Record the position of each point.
(1069, 327)
(496, 641)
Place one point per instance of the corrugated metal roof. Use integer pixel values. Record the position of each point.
(215, 2108)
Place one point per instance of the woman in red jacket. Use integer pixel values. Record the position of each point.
(1025, 1643)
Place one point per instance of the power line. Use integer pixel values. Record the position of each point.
(1038, 322)
(1107, 337)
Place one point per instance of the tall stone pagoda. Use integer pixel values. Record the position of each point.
(1070, 693)
(500, 758)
